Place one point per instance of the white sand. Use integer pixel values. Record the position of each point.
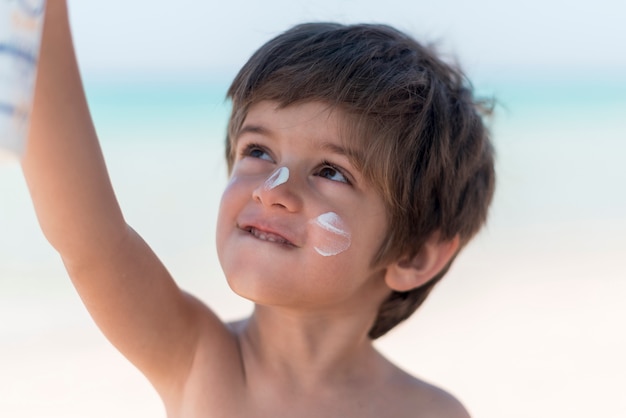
(512, 332)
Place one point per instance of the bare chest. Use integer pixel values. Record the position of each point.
(259, 401)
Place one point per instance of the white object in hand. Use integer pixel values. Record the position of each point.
(21, 22)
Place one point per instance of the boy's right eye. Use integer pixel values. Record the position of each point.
(256, 151)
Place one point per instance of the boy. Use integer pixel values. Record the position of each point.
(359, 166)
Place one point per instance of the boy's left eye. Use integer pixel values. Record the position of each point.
(330, 172)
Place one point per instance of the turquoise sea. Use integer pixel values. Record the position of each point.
(560, 146)
(561, 201)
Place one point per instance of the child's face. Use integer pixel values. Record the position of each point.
(298, 225)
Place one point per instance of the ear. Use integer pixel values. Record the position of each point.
(407, 274)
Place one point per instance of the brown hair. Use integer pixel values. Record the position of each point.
(419, 131)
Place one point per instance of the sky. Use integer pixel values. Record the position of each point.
(549, 39)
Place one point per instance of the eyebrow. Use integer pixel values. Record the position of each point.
(253, 129)
(351, 154)
(335, 149)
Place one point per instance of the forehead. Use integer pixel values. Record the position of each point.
(315, 121)
(313, 118)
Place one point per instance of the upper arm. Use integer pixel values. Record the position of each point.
(124, 286)
(140, 309)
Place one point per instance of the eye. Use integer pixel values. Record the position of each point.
(330, 172)
(256, 151)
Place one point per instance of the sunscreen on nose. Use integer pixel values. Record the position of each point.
(21, 22)
(331, 236)
(277, 178)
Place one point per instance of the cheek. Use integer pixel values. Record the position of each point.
(329, 234)
(226, 200)
(228, 208)
(234, 194)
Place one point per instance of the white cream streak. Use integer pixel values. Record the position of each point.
(277, 178)
(335, 238)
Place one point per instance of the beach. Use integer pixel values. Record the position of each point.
(529, 322)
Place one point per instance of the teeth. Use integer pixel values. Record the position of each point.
(266, 236)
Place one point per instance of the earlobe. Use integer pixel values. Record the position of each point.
(409, 273)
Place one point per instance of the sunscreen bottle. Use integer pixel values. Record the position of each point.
(21, 23)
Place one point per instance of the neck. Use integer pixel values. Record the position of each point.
(309, 348)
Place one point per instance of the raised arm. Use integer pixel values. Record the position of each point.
(126, 289)
(63, 163)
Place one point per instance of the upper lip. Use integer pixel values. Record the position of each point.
(280, 234)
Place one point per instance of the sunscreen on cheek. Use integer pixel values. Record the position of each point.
(330, 236)
(277, 178)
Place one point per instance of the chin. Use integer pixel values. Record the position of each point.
(260, 289)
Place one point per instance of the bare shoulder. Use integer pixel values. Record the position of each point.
(413, 397)
(429, 401)
(215, 375)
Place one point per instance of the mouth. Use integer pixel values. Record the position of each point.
(267, 236)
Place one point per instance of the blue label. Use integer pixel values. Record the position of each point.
(7, 108)
(33, 8)
(21, 54)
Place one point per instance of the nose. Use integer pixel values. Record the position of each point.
(279, 190)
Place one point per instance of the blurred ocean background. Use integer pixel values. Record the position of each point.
(529, 322)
